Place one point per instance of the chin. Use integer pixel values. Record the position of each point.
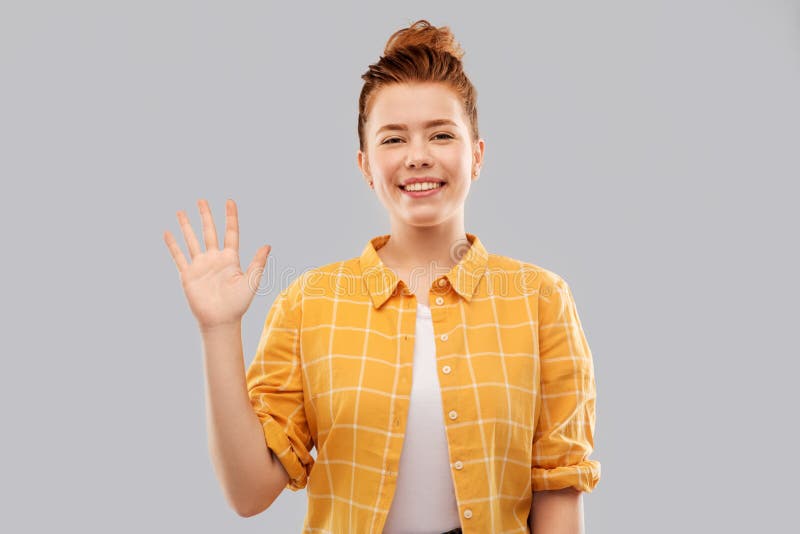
(421, 222)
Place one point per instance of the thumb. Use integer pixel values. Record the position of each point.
(256, 267)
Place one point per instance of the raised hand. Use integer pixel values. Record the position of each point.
(218, 292)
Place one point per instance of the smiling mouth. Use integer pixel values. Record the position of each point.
(439, 185)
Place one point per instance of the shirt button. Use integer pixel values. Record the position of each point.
(467, 513)
(458, 465)
(444, 337)
(453, 414)
(446, 369)
(442, 282)
(439, 300)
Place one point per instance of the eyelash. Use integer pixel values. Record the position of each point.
(385, 141)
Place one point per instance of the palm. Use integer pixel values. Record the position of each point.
(217, 289)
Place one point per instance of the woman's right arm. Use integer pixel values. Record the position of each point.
(219, 293)
(250, 475)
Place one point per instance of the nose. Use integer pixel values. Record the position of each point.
(418, 155)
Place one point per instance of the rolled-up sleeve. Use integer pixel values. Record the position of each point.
(565, 416)
(275, 387)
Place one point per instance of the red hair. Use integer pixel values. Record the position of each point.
(419, 53)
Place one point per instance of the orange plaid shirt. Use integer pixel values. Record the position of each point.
(333, 371)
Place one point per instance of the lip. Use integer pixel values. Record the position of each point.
(418, 179)
(429, 192)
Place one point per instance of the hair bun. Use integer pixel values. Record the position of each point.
(423, 33)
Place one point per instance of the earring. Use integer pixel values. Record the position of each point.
(475, 172)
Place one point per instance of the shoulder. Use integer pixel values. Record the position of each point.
(529, 277)
(323, 279)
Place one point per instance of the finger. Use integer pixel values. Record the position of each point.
(209, 230)
(188, 235)
(256, 266)
(231, 226)
(175, 251)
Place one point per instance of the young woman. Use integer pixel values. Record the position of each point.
(444, 387)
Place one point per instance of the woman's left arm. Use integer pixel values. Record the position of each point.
(557, 512)
(564, 433)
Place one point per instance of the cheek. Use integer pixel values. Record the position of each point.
(386, 166)
(458, 158)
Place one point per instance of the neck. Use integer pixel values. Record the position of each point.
(436, 249)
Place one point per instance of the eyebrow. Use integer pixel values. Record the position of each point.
(429, 124)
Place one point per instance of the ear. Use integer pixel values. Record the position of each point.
(478, 148)
(363, 165)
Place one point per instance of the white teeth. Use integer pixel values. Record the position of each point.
(422, 186)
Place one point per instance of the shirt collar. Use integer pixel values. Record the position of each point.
(381, 281)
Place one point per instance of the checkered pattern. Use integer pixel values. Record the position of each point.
(333, 370)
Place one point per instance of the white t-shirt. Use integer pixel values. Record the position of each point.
(425, 496)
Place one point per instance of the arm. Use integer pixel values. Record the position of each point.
(565, 416)
(274, 384)
(248, 472)
(557, 512)
(219, 293)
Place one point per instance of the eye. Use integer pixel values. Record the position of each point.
(391, 140)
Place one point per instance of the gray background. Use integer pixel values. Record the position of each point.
(645, 151)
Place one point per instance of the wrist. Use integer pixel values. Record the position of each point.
(220, 328)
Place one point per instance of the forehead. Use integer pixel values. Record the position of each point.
(414, 104)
